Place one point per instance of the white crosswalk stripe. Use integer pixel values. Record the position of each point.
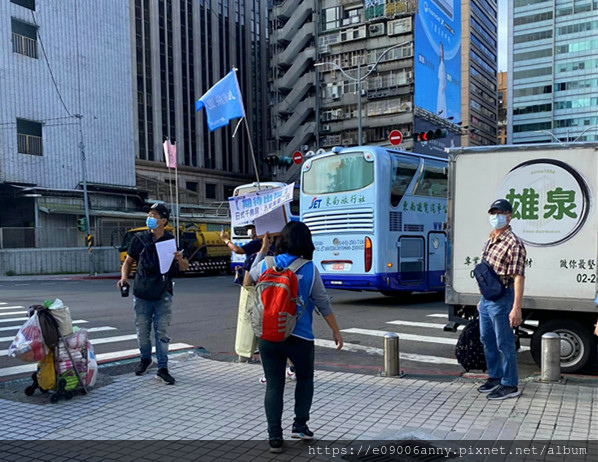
(99, 341)
(91, 330)
(16, 328)
(102, 357)
(402, 336)
(410, 338)
(378, 351)
(12, 313)
(431, 325)
(11, 322)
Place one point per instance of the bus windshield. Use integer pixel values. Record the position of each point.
(338, 173)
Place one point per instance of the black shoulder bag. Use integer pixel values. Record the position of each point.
(491, 287)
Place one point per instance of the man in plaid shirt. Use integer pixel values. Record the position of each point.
(506, 254)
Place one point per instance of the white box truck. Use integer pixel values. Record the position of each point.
(552, 188)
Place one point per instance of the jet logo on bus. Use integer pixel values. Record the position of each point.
(315, 203)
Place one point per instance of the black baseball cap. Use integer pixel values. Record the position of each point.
(502, 205)
(162, 210)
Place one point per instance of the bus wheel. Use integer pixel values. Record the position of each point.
(578, 347)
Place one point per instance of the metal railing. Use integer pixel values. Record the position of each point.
(24, 45)
(30, 144)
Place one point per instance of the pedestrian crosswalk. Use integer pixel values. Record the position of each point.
(412, 335)
(108, 347)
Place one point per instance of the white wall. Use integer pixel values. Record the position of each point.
(102, 32)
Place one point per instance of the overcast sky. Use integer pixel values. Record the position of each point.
(502, 34)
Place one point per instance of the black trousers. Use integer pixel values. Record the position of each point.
(274, 358)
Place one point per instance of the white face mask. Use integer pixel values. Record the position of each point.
(497, 220)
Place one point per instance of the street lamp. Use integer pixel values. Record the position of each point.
(361, 78)
(595, 127)
(551, 134)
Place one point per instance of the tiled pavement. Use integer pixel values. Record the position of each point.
(224, 401)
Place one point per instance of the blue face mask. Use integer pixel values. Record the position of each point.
(497, 220)
(151, 222)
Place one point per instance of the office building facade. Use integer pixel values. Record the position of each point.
(418, 84)
(479, 104)
(553, 72)
(181, 49)
(502, 107)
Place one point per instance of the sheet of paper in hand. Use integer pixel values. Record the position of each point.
(166, 250)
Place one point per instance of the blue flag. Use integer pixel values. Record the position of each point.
(222, 102)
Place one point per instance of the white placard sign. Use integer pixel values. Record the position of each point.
(245, 209)
(272, 222)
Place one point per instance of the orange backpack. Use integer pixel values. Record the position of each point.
(273, 305)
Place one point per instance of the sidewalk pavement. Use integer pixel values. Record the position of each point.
(215, 412)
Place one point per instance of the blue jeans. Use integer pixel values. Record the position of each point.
(497, 337)
(158, 313)
(274, 360)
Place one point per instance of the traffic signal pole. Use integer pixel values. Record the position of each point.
(88, 239)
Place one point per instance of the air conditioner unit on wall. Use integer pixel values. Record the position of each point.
(325, 128)
(374, 30)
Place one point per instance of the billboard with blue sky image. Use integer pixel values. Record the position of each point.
(438, 58)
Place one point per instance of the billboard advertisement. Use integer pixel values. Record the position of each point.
(438, 58)
(433, 147)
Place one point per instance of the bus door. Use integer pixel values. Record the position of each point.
(411, 259)
(436, 259)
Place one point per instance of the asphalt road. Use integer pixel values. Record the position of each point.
(205, 315)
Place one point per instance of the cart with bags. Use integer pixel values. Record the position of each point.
(65, 356)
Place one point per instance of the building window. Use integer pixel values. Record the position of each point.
(210, 191)
(24, 38)
(29, 137)
(192, 186)
(25, 3)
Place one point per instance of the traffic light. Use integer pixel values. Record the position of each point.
(82, 224)
(271, 160)
(285, 160)
(430, 135)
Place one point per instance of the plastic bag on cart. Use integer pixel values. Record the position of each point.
(46, 375)
(78, 340)
(28, 345)
(62, 314)
(92, 366)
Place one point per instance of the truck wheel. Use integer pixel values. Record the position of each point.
(578, 347)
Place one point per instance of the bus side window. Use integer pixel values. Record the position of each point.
(402, 171)
(434, 182)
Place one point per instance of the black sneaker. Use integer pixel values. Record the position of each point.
(302, 432)
(165, 376)
(275, 444)
(143, 366)
(504, 392)
(489, 386)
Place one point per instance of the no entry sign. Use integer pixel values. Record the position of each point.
(395, 137)
(297, 157)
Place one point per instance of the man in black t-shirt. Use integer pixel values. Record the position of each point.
(152, 291)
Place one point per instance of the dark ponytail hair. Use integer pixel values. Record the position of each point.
(295, 239)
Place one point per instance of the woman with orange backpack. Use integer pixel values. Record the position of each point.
(294, 242)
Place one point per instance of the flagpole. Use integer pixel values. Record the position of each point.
(176, 191)
(170, 186)
(257, 175)
(166, 146)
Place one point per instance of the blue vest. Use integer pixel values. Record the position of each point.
(305, 305)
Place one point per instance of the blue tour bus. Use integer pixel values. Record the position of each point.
(376, 216)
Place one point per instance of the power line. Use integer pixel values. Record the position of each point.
(48, 65)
